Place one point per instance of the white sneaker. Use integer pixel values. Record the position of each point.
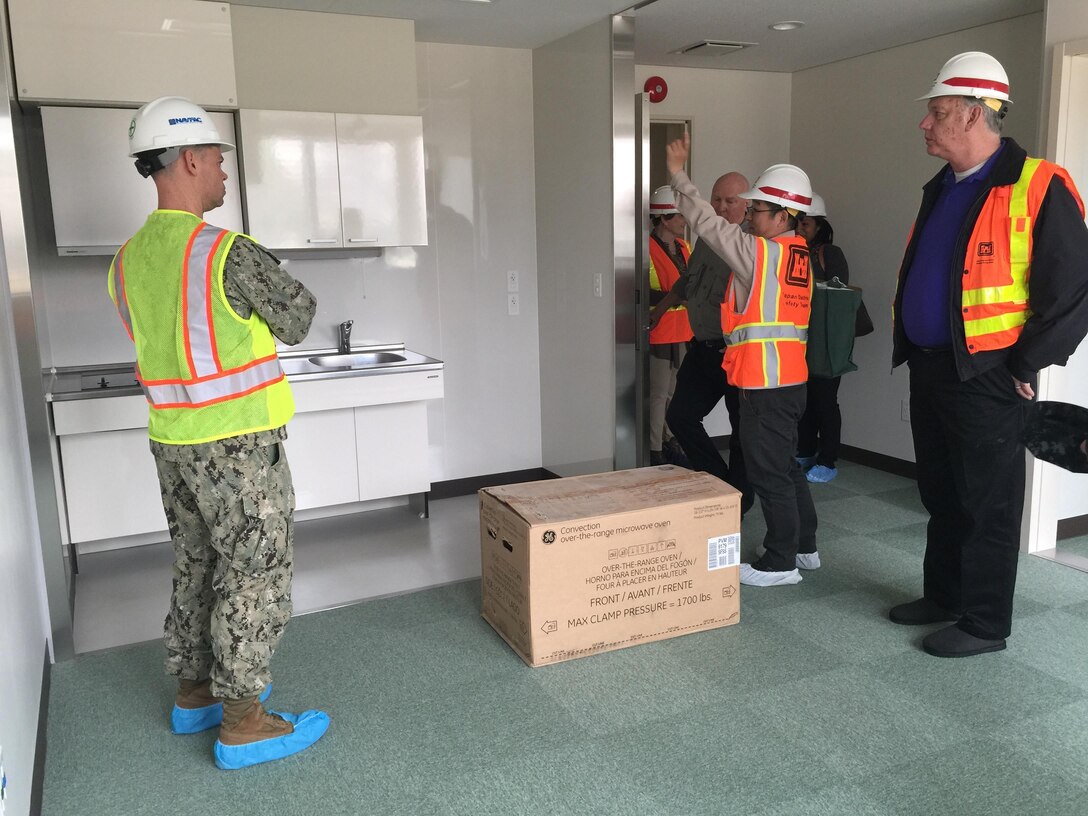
(754, 577)
(808, 560)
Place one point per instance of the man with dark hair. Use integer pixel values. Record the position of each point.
(204, 307)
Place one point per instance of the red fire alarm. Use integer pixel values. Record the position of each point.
(657, 88)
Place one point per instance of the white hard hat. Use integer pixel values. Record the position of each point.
(818, 207)
(165, 123)
(972, 73)
(663, 201)
(784, 184)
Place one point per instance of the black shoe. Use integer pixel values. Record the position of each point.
(954, 642)
(657, 458)
(922, 611)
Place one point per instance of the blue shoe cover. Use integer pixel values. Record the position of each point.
(195, 720)
(806, 462)
(821, 474)
(310, 726)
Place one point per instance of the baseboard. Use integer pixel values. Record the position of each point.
(37, 781)
(878, 461)
(1072, 527)
(466, 487)
(859, 456)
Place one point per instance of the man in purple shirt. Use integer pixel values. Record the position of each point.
(992, 289)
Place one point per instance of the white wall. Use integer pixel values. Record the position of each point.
(740, 120)
(23, 618)
(855, 131)
(1068, 20)
(447, 299)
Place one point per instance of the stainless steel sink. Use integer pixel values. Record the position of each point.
(359, 359)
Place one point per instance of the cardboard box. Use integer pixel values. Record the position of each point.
(573, 567)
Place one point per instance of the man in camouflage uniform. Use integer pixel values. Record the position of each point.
(218, 407)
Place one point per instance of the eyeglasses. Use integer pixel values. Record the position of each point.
(667, 216)
(751, 210)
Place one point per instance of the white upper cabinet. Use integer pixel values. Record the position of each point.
(292, 181)
(381, 180)
(123, 52)
(99, 200)
(323, 180)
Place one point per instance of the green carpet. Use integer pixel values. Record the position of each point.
(813, 704)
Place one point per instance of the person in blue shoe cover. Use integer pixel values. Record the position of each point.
(820, 431)
(204, 307)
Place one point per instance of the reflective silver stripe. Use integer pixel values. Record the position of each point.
(119, 292)
(771, 257)
(218, 388)
(756, 332)
(197, 294)
(770, 364)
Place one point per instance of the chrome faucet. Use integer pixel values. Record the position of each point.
(345, 337)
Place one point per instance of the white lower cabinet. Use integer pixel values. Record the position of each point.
(341, 450)
(320, 451)
(111, 487)
(391, 449)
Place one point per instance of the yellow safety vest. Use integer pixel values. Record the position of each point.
(207, 372)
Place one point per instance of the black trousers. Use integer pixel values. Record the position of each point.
(820, 429)
(700, 384)
(769, 417)
(971, 472)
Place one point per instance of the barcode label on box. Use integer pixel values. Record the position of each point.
(723, 551)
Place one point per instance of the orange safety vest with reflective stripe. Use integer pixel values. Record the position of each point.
(207, 372)
(998, 265)
(766, 343)
(673, 326)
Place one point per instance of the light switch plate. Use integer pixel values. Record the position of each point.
(512, 281)
(513, 304)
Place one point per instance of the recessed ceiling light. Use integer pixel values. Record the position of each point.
(786, 25)
(476, 1)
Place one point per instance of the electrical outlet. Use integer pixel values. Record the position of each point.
(904, 411)
(3, 783)
(513, 305)
(598, 285)
(512, 281)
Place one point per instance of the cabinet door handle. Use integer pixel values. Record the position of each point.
(362, 240)
(321, 240)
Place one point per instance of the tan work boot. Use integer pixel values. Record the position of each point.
(246, 721)
(195, 694)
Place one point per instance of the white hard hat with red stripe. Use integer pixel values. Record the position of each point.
(663, 202)
(818, 207)
(784, 184)
(972, 73)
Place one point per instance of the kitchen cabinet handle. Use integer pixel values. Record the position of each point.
(362, 240)
(321, 240)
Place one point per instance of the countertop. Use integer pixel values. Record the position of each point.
(119, 380)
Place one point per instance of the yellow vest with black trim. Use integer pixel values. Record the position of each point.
(207, 372)
(766, 343)
(997, 269)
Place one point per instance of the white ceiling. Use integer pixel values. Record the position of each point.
(834, 29)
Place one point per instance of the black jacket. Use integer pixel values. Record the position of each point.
(1057, 282)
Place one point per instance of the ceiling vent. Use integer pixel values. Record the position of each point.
(713, 48)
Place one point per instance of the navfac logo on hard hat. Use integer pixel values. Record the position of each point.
(185, 120)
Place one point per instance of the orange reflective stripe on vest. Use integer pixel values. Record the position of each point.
(997, 269)
(673, 326)
(766, 343)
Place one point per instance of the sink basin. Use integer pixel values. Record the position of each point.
(360, 359)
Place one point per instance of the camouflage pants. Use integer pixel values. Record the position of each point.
(230, 519)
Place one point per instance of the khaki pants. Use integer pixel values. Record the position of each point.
(663, 370)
